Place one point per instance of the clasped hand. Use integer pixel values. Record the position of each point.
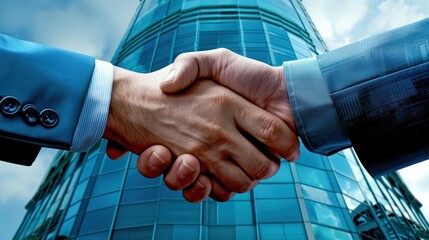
(224, 118)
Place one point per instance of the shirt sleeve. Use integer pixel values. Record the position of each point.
(371, 94)
(93, 118)
(314, 112)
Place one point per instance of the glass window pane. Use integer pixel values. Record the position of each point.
(177, 232)
(289, 231)
(235, 213)
(103, 201)
(140, 195)
(97, 221)
(264, 190)
(340, 164)
(314, 177)
(133, 233)
(351, 188)
(110, 165)
(173, 211)
(135, 180)
(310, 159)
(278, 210)
(321, 213)
(79, 192)
(101, 235)
(133, 215)
(321, 232)
(108, 183)
(319, 195)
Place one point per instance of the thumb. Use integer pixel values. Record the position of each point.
(186, 69)
(182, 75)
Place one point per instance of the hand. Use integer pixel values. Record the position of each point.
(206, 121)
(258, 82)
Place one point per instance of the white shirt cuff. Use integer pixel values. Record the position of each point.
(93, 118)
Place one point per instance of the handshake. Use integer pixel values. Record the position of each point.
(224, 118)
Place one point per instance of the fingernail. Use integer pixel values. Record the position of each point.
(170, 77)
(186, 170)
(198, 186)
(156, 160)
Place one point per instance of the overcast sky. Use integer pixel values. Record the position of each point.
(95, 28)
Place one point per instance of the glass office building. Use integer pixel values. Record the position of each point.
(88, 196)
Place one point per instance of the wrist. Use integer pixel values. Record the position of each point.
(113, 123)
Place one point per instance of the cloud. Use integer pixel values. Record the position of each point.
(393, 14)
(19, 183)
(335, 20)
(90, 27)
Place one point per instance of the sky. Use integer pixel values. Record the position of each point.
(95, 28)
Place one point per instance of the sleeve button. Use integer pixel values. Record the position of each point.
(9, 106)
(30, 115)
(49, 118)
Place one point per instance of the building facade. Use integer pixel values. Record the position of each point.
(88, 196)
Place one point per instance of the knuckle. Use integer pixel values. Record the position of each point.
(198, 148)
(269, 130)
(223, 51)
(242, 185)
(182, 56)
(263, 172)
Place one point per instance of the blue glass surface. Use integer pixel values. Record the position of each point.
(319, 195)
(145, 232)
(108, 183)
(140, 195)
(135, 180)
(314, 177)
(324, 214)
(97, 221)
(174, 211)
(139, 214)
(265, 190)
(277, 210)
(321, 232)
(288, 231)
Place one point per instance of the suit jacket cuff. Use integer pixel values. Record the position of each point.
(314, 112)
(93, 118)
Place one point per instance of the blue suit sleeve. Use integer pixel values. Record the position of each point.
(46, 78)
(377, 89)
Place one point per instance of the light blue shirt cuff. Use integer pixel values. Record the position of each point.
(95, 111)
(314, 112)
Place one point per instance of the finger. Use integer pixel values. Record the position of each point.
(252, 157)
(114, 150)
(267, 129)
(295, 156)
(231, 176)
(186, 69)
(154, 161)
(199, 190)
(183, 172)
(219, 192)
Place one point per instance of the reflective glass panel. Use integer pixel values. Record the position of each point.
(265, 190)
(289, 231)
(314, 177)
(325, 233)
(278, 210)
(97, 220)
(321, 213)
(319, 195)
(137, 214)
(133, 233)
